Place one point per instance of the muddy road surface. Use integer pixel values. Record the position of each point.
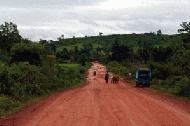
(101, 104)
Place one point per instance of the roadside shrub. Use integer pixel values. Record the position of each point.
(181, 61)
(117, 68)
(176, 85)
(183, 87)
(69, 71)
(27, 52)
(23, 80)
(160, 71)
(20, 80)
(4, 58)
(6, 105)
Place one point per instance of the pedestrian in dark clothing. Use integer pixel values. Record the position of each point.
(107, 77)
(95, 73)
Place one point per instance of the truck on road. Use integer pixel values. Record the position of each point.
(143, 77)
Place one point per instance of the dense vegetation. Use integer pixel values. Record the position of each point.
(168, 56)
(29, 70)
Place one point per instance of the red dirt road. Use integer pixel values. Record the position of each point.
(101, 104)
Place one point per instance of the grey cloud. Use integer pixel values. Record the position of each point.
(36, 23)
(46, 3)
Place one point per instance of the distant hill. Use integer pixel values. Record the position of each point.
(131, 40)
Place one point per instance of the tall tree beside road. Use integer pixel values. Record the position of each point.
(9, 35)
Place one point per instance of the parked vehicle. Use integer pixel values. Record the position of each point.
(143, 77)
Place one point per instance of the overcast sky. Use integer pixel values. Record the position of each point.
(48, 19)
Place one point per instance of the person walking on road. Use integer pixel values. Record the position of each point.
(107, 77)
(94, 72)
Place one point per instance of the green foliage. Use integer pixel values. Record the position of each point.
(160, 71)
(186, 41)
(117, 68)
(4, 58)
(131, 40)
(70, 70)
(183, 87)
(185, 27)
(21, 80)
(119, 52)
(181, 60)
(7, 104)
(27, 52)
(32, 47)
(82, 55)
(186, 37)
(176, 85)
(159, 32)
(64, 74)
(64, 54)
(50, 46)
(9, 35)
(28, 70)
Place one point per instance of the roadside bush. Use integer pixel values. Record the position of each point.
(160, 71)
(181, 61)
(69, 71)
(23, 80)
(117, 68)
(176, 85)
(4, 58)
(183, 87)
(6, 105)
(20, 80)
(27, 52)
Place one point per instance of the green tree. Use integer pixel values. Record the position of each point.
(185, 27)
(119, 52)
(27, 52)
(20, 79)
(186, 37)
(9, 35)
(144, 54)
(76, 53)
(64, 54)
(161, 54)
(159, 32)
